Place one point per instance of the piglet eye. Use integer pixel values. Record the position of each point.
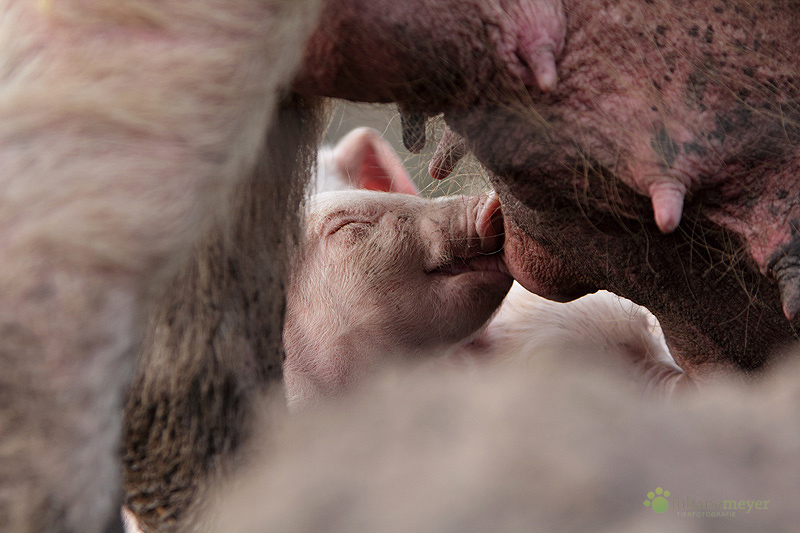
(342, 224)
(352, 230)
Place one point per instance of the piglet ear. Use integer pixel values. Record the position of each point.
(366, 161)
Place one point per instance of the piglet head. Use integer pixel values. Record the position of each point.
(383, 277)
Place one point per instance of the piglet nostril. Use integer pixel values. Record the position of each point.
(489, 224)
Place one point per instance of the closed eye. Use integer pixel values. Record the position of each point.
(358, 225)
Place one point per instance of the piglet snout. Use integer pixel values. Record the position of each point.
(467, 241)
(473, 243)
(489, 224)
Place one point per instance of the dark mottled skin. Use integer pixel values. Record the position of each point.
(702, 95)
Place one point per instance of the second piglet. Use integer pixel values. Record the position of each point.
(385, 277)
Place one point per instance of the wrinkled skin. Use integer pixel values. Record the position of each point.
(662, 100)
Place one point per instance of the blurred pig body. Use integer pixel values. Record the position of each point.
(508, 449)
(600, 328)
(123, 126)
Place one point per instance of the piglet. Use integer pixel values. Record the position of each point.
(599, 329)
(385, 277)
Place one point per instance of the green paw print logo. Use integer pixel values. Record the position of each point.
(657, 500)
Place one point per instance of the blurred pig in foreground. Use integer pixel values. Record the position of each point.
(550, 447)
(124, 127)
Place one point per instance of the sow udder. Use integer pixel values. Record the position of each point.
(662, 167)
